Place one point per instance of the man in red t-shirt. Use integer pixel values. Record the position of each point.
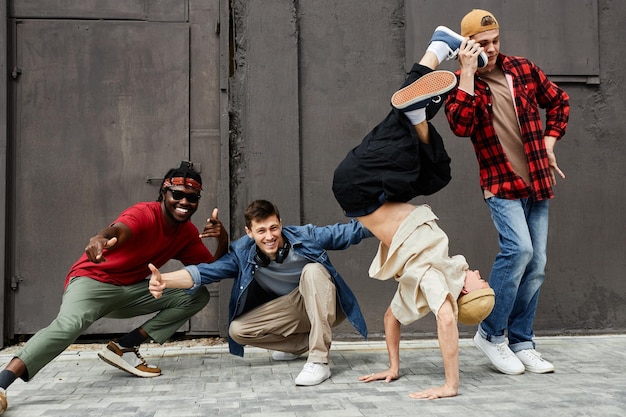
(109, 280)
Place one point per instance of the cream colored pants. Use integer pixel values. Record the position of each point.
(298, 322)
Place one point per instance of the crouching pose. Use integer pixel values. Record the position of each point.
(109, 281)
(287, 295)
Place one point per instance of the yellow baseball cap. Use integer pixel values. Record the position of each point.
(475, 306)
(478, 21)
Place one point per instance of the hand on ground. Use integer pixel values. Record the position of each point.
(388, 376)
(434, 393)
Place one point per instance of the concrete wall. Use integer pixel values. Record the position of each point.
(312, 77)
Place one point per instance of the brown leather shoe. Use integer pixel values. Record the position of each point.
(128, 360)
(3, 401)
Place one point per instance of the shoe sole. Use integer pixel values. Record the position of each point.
(424, 88)
(503, 370)
(114, 360)
(539, 371)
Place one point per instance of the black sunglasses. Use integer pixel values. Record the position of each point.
(179, 195)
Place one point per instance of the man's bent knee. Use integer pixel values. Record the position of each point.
(314, 271)
(198, 300)
(203, 296)
(237, 332)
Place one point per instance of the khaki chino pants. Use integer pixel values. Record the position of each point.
(298, 322)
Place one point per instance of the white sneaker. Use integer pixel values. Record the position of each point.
(500, 355)
(533, 361)
(453, 40)
(277, 355)
(313, 373)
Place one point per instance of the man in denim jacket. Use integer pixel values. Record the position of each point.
(286, 290)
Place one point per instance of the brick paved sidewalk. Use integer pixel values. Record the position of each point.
(207, 381)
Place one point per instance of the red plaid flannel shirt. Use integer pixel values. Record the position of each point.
(473, 116)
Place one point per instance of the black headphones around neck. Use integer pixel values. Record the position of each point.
(281, 254)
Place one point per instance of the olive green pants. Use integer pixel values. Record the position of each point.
(86, 300)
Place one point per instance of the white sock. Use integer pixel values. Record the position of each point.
(416, 116)
(439, 48)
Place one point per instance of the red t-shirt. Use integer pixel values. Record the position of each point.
(152, 241)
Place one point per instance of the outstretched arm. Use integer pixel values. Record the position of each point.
(392, 337)
(108, 238)
(159, 281)
(448, 336)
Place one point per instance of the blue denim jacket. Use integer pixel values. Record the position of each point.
(309, 241)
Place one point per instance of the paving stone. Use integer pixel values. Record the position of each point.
(590, 380)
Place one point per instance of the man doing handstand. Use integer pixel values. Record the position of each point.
(401, 158)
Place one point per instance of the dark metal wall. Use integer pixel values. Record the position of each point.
(3, 168)
(351, 55)
(299, 83)
(102, 102)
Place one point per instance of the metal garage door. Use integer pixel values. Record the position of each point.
(102, 102)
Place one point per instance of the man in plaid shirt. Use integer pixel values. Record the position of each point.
(497, 106)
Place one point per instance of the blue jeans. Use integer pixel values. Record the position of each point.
(518, 271)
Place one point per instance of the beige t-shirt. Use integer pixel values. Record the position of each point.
(506, 124)
(418, 260)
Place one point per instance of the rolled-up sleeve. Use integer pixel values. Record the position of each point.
(195, 276)
(207, 273)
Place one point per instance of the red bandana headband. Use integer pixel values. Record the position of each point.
(187, 182)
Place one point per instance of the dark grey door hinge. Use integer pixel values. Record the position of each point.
(15, 282)
(15, 72)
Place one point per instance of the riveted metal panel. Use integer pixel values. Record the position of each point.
(101, 106)
(150, 10)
